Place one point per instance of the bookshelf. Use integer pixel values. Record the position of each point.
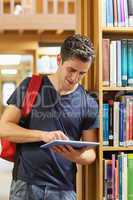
(86, 179)
(113, 33)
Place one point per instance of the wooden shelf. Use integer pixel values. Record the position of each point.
(111, 33)
(23, 23)
(119, 30)
(116, 88)
(8, 1)
(129, 148)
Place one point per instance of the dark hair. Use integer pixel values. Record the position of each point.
(77, 46)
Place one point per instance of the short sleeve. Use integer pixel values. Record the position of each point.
(17, 97)
(91, 114)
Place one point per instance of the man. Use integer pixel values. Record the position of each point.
(63, 110)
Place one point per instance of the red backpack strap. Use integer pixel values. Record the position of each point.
(31, 94)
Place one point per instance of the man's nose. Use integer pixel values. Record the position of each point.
(75, 77)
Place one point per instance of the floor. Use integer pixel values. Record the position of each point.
(5, 179)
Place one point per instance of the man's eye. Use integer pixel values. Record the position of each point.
(82, 73)
(72, 70)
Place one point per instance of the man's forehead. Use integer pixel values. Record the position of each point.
(79, 68)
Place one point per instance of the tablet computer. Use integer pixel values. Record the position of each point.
(73, 143)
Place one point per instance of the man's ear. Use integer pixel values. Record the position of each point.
(59, 60)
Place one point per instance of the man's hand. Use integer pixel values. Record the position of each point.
(69, 152)
(54, 135)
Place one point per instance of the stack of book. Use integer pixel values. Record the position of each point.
(117, 13)
(118, 122)
(117, 62)
(118, 176)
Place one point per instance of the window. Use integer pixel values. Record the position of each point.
(47, 63)
(7, 89)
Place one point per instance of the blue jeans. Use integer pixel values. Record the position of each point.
(21, 190)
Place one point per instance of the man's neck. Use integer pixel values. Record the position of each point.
(54, 78)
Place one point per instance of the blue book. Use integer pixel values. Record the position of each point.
(109, 13)
(106, 124)
(121, 123)
(124, 62)
(130, 63)
(119, 12)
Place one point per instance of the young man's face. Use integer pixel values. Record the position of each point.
(71, 72)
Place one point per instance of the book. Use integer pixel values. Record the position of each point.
(115, 13)
(73, 143)
(130, 12)
(113, 63)
(130, 176)
(126, 12)
(121, 123)
(124, 62)
(106, 124)
(130, 61)
(106, 54)
(116, 123)
(109, 13)
(119, 12)
(118, 63)
(111, 132)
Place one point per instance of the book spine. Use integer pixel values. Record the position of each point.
(109, 180)
(116, 123)
(132, 121)
(113, 176)
(118, 68)
(121, 124)
(106, 53)
(104, 178)
(130, 63)
(127, 123)
(115, 13)
(111, 135)
(130, 176)
(124, 62)
(130, 12)
(119, 12)
(122, 13)
(124, 176)
(104, 5)
(106, 124)
(109, 13)
(116, 181)
(126, 12)
(120, 176)
(113, 63)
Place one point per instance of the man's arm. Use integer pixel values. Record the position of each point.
(82, 156)
(89, 155)
(9, 129)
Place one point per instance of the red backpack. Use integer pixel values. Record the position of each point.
(8, 149)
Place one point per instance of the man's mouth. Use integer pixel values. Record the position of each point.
(69, 82)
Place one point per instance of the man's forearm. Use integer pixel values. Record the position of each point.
(17, 134)
(87, 157)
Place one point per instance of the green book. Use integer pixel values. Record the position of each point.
(130, 177)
